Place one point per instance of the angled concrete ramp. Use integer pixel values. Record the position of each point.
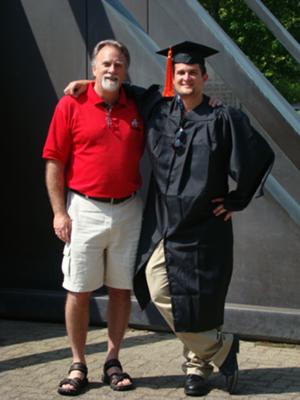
(272, 23)
(57, 38)
(263, 300)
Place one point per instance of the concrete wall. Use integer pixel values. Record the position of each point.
(47, 44)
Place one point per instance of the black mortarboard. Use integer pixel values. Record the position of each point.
(186, 53)
(189, 52)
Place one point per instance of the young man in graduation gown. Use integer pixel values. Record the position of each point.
(185, 256)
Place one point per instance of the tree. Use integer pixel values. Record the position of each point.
(258, 43)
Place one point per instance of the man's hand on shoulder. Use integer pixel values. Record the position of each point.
(75, 88)
(214, 102)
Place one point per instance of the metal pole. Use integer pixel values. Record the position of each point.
(285, 38)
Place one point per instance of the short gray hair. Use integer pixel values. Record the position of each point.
(110, 42)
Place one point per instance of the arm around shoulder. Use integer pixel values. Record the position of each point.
(75, 88)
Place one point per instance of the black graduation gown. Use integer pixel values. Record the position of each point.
(218, 143)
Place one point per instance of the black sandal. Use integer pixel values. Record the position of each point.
(116, 377)
(77, 383)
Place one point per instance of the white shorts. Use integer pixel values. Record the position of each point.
(103, 244)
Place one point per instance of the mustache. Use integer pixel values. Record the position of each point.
(111, 77)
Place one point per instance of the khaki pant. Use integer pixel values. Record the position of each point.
(199, 348)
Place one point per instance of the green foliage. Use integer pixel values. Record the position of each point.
(258, 43)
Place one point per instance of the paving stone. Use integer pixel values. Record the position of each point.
(35, 356)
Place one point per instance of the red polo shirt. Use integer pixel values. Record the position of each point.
(100, 147)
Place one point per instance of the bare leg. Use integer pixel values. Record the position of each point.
(118, 312)
(77, 320)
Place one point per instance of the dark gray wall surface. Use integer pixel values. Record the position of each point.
(146, 68)
(174, 21)
(267, 245)
(44, 48)
(267, 249)
(139, 9)
(267, 241)
(29, 251)
(47, 44)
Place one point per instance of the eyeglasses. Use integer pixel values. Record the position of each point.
(180, 139)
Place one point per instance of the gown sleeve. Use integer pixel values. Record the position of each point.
(251, 160)
(146, 99)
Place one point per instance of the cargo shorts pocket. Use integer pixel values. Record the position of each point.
(66, 262)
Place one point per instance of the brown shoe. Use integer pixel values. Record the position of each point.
(114, 378)
(76, 383)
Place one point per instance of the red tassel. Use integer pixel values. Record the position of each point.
(169, 89)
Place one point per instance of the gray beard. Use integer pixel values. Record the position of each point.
(110, 86)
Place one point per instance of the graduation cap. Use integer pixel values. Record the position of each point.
(186, 53)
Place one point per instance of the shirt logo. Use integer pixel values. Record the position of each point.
(135, 123)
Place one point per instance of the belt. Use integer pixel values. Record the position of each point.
(110, 200)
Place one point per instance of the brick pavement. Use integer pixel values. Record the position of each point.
(35, 356)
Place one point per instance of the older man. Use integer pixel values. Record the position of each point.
(93, 148)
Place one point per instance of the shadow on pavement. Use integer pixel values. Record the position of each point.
(263, 381)
(251, 381)
(41, 332)
(14, 331)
